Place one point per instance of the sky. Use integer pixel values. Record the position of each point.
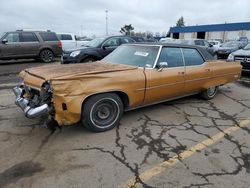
(87, 17)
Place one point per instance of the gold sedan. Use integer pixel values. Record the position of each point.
(132, 76)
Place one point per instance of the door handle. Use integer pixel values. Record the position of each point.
(207, 70)
(181, 72)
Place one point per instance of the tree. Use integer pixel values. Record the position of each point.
(180, 22)
(126, 30)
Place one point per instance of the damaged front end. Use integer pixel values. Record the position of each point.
(33, 102)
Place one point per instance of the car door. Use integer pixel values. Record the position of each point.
(29, 44)
(198, 72)
(10, 48)
(166, 83)
(109, 45)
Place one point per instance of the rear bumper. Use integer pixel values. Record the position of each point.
(24, 104)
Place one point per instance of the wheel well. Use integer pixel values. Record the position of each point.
(123, 96)
(89, 56)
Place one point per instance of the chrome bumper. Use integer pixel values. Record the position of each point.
(23, 104)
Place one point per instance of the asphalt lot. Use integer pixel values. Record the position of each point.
(183, 143)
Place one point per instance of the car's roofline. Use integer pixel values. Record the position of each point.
(164, 44)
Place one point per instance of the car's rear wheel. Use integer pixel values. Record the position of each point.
(46, 56)
(102, 112)
(209, 93)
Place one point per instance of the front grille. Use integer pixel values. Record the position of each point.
(242, 59)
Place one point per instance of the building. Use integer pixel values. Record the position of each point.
(227, 31)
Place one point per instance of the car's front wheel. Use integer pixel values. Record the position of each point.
(46, 56)
(102, 112)
(209, 93)
(89, 60)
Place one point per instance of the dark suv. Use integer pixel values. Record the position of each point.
(42, 45)
(95, 50)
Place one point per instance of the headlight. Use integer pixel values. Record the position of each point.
(230, 57)
(75, 53)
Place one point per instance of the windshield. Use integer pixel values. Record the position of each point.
(247, 47)
(135, 55)
(1, 36)
(231, 44)
(95, 42)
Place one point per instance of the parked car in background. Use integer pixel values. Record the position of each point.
(216, 44)
(138, 39)
(243, 39)
(242, 56)
(199, 42)
(132, 76)
(21, 44)
(227, 48)
(95, 50)
(166, 40)
(70, 41)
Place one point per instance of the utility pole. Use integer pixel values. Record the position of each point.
(81, 30)
(106, 22)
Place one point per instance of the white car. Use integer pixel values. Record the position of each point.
(70, 41)
(216, 44)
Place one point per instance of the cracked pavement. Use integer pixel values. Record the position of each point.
(31, 156)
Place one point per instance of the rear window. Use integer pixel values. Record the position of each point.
(192, 57)
(64, 37)
(49, 36)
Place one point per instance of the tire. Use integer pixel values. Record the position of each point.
(46, 56)
(89, 60)
(102, 112)
(209, 93)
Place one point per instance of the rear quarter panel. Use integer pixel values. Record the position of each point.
(224, 72)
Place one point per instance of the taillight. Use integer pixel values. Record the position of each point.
(59, 44)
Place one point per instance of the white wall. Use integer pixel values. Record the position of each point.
(188, 35)
(232, 35)
(215, 35)
(248, 34)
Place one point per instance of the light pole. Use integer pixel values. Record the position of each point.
(106, 22)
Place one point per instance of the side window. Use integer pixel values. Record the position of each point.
(199, 42)
(29, 37)
(12, 37)
(66, 37)
(47, 36)
(192, 57)
(126, 40)
(206, 44)
(172, 56)
(112, 42)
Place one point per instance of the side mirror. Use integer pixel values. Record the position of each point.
(4, 41)
(162, 65)
(105, 46)
(210, 45)
(240, 47)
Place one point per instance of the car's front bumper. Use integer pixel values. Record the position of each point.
(23, 103)
(67, 59)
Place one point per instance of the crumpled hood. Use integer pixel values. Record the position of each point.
(58, 71)
(242, 52)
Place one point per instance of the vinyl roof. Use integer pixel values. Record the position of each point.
(214, 27)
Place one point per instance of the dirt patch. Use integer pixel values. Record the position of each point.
(18, 171)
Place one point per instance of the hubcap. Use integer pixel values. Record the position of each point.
(104, 113)
(211, 91)
(47, 56)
